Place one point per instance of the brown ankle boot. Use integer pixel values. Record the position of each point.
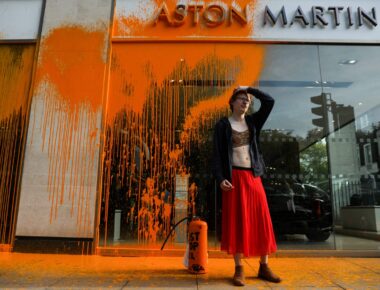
(238, 279)
(266, 273)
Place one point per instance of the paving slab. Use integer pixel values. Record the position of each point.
(221, 272)
(39, 271)
(346, 273)
(163, 278)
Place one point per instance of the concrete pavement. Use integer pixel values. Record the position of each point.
(46, 271)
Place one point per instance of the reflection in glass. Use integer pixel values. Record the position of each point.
(353, 154)
(321, 143)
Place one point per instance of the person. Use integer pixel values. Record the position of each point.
(237, 166)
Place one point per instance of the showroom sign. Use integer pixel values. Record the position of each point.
(322, 16)
(215, 13)
(324, 21)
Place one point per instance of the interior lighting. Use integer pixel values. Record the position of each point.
(348, 62)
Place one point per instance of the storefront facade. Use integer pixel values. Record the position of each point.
(107, 112)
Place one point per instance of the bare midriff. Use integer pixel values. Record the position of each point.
(240, 144)
(240, 156)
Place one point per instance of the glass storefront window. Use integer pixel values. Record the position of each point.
(295, 151)
(321, 142)
(16, 63)
(353, 141)
(160, 117)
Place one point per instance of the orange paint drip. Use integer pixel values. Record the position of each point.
(249, 71)
(70, 77)
(16, 63)
(159, 108)
(138, 26)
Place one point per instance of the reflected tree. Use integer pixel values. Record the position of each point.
(314, 164)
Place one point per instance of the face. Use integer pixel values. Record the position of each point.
(241, 103)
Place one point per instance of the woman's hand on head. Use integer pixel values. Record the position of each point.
(225, 185)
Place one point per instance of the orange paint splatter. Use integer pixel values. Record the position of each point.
(71, 61)
(70, 78)
(16, 63)
(250, 66)
(159, 110)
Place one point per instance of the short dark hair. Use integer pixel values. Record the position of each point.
(235, 94)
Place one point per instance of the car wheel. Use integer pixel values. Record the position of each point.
(318, 236)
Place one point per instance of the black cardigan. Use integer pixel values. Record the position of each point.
(222, 154)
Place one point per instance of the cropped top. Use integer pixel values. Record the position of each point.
(240, 138)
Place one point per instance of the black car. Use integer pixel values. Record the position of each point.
(298, 208)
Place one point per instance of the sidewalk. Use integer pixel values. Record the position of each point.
(45, 271)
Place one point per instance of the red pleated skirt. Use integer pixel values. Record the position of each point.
(246, 222)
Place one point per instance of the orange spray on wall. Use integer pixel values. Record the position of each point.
(69, 78)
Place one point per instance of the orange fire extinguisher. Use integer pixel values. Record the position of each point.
(198, 257)
(197, 245)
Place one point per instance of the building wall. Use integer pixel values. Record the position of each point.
(20, 20)
(69, 104)
(59, 182)
(137, 19)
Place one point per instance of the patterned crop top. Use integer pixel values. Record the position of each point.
(240, 138)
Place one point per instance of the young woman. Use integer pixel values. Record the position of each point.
(237, 166)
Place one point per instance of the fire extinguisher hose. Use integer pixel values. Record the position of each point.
(173, 228)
